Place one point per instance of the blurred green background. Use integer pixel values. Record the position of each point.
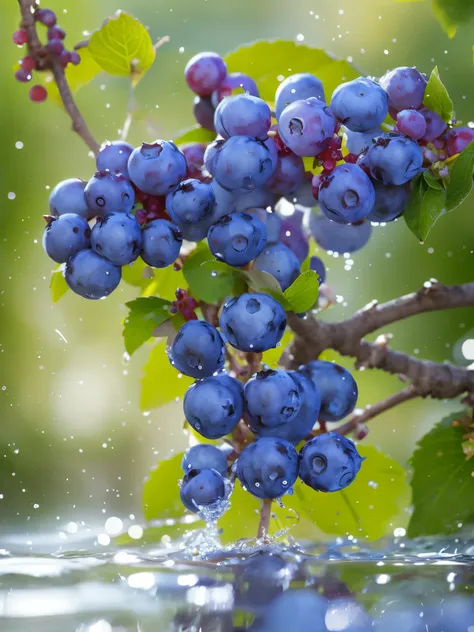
(73, 444)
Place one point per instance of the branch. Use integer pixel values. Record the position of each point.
(44, 61)
(404, 395)
(264, 522)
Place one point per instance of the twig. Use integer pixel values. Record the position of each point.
(264, 522)
(130, 111)
(163, 40)
(45, 61)
(409, 392)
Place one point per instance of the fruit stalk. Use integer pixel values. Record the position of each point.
(264, 521)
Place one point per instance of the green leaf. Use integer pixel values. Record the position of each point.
(442, 483)
(371, 507)
(460, 178)
(122, 46)
(138, 274)
(161, 382)
(265, 62)
(432, 181)
(161, 490)
(210, 280)
(145, 315)
(76, 76)
(57, 284)
(303, 292)
(195, 134)
(452, 14)
(165, 283)
(437, 97)
(272, 356)
(425, 206)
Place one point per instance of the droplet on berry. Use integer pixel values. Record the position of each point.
(20, 37)
(38, 93)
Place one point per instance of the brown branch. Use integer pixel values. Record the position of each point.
(264, 522)
(44, 61)
(409, 392)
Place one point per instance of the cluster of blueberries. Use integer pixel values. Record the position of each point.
(280, 408)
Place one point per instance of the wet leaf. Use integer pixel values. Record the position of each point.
(437, 97)
(424, 208)
(161, 490)
(195, 134)
(77, 76)
(144, 316)
(460, 178)
(303, 292)
(57, 284)
(452, 14)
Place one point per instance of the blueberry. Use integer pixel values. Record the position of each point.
(234, 81)
(65, 235)
(357, 142)
(243, 164)
(296, 87)
(203, 111)
(224, 203)
(390, 202)
(435, 126)
(411, 123)
(293, 236)
(335, 237)
(214, 406)
(329, 462)
(118, 238)
(113, 156)
(198, 349)
(161, 243)
(346, 615)
(68, 197)
(91, 276)
(258, 198)
(204, 456)
(205, 72)
(393, 158)
(405, 88)
(337, 387)
(210, 153)
(237, 238)
(280, 262)
(157, 168)
(346, 195)
(202, 488)
(242, 115)
(108, 192)
(253, 322)
(316, 264)
(303, 196)
(301, 610)
(272, 398)
(271, 220)
(458, 139)
(307, 126)
(289, 174)
(360, 104)
(191, 202)
(268, 468)
(194, 155)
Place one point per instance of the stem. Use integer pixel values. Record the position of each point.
(404, 395)
(44, 61)
(264, 522)
(130, 111)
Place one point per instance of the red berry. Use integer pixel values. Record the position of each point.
(141, 216)
(20, 37)
(329, 165)
(38, 93)
(351, 158)
(46, 17)
(23, 75)
(56, 33)
(28, 63)
(55, 47)
(74, 58)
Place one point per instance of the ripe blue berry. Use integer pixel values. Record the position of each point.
(194, 155)
(91, 276)
(393, 158)
(191, 202)
(318, 266)
(202, 488)
(405, 88)
(360, 104)
(65, 235)
(280, 262)
(214, 406)
(113, 156)
(118, 238)
(258, 198)
(243, 164)
(242, 115)
(435, 126)
(198, 350)
(307, 126)
(346, 195)
(335, 237)
(289, 174)
(268, 468)
(161, 243)
(234, 81)
(301, 610)
(68, 197)
(272, 398)
(329, 462)
(390, 202)
(357, 142)
(337, 387)
(293, 236)
(237, 238)
(205, 72)
(271, 220)
(411, 123)
(108, 192)
(224, 203)
(157, 168)
(203, 111)
(204, 456)
(297, 87)
(253, 322)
